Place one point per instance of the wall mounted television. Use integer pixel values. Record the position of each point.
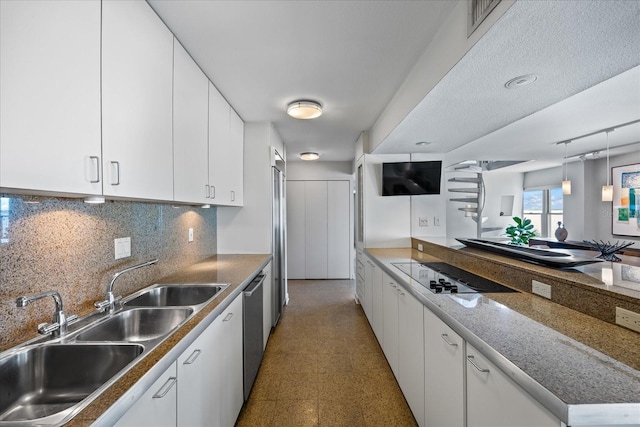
(411, 178)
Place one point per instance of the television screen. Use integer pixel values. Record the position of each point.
(411, 178)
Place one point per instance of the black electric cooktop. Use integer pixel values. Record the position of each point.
(440, 277)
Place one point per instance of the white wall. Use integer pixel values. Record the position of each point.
(320, 171)
(247, 229)
(430, 206)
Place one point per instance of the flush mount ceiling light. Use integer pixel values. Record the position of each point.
(423, 143)
(304, 110)
(521, 81)
(309, 156)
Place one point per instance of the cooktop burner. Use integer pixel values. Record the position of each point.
(440, 277)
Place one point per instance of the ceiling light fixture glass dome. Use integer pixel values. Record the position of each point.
(309, 156)
(304, 110)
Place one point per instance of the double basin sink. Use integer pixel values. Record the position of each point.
(50, 380)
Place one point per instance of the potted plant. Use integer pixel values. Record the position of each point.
(521, 232)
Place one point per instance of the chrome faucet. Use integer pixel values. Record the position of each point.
(60, 320)
(109, 303)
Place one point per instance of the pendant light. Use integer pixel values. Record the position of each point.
(566, 184)
(607, 190)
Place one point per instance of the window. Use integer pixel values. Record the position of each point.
(544, 208)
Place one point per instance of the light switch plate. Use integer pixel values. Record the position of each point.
(541, 289)
(191, 234)
(122, 247)
(628, 319)
(420, 247)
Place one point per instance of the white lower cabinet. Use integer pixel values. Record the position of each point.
(390, 343)
(197, 390)
(443, 373)
(377, 307)
(494, 400)
(228, 341)
(411, 352)
(157, 406)
(367, 305)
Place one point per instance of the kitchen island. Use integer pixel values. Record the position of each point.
(582, 370)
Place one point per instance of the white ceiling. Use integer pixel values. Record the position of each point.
(352, 56)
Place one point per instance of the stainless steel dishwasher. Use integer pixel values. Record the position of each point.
(252, 335)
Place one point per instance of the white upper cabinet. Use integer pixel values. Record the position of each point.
(226, 150)
(50, 103)
(190, 129)
(137, 79)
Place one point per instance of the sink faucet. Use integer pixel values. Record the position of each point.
(109, 303)
(60, 320)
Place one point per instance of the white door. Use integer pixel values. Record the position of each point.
(50, 96)
(190, 128)
(137, 81)
(316, 239)
(338, 233)
(296, 229)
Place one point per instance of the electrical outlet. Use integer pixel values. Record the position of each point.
(541, 289)
(436, 221)
(628, 319)
(423, 222)
(191, 234)
(122, 247)
(420, 247)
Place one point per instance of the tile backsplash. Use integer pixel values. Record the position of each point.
(67, 245)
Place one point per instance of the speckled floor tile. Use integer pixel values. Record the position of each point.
(323, 363)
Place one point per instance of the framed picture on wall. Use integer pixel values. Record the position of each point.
(625, 219)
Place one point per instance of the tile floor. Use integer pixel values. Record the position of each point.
(324, 367)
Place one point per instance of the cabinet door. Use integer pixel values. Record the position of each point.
(411, 352)
(390, 322)
(494, 400)
(50, 104)
(235, 158)
(190, 129)
(233, 383)
(219, 169)
(157, 406)
(296, 225)
(137, 77)
(369, 273)
(338, 234)
(443, 373)
(197, 389)
(316, 239)
(377, 306)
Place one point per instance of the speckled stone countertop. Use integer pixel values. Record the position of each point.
(583, 369)
(236, 270)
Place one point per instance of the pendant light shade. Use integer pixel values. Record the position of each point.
(566, 184)
(304, 110)
(607, 190)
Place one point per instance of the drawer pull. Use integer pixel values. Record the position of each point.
(471, 360)
(165, 388)
(445, 338)
(96, 161)
(193, 357)
(115, 170)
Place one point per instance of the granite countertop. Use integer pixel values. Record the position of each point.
(236, 270)
(582, 368)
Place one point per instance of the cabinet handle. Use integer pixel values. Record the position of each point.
(207, 192)
(115, 166)
(227, 317)
(233, 196)
(399, 292)
(192, 358)
(393, 285)
(445, 337)
(212, 195)
(471, 360)
(165, 388)
(96, 161)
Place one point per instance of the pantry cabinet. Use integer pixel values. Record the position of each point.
(157, 406)
(137, 81)
(494, 400)
(443, 373)
(190, 128)
(50, 104)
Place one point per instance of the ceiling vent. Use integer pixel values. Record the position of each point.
(478, 11)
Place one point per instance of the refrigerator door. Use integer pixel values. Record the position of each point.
(279, 239)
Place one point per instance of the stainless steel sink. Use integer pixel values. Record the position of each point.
(48, 380)
(137, 325)
(175, 295)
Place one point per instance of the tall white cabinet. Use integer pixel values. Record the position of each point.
(318, 215)
(50, 96)
(137, 82)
